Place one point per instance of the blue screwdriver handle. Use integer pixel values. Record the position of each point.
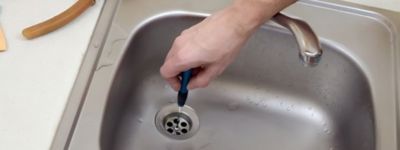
(183, 91)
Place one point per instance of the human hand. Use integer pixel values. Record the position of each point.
(208, 47)
(211, 45)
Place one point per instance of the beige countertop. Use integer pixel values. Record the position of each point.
(36, 76)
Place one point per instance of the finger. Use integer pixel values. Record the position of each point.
(182, 39)
(176, 46)
(196, 71)
(174, 83)
(203, 78)
(173, 67)
(168, 69)
(183, 59)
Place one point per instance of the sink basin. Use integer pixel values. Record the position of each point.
(265, 100)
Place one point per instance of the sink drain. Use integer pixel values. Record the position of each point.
(177, 124)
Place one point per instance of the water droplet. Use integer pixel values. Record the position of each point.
(140, 120)
(287, 109)
(309, 108)
(281, 103)
(331, 148)
(265, 104)
(326, 130)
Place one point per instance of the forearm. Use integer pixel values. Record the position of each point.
(250, 14)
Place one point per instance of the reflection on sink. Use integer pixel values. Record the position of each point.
(265, 99)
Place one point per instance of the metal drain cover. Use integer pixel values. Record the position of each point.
(177, 124)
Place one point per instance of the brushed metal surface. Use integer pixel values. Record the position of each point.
(265, 100)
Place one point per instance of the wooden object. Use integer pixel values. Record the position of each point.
(3, 45)
(57, 21)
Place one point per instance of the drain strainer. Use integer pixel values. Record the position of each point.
(177, 124)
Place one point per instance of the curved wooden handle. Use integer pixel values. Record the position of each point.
(57, 21)
(3, 45)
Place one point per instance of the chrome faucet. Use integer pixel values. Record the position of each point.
(310, 50)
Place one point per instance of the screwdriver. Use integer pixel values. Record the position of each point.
(183, 91)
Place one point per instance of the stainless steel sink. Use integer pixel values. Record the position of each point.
(265, 100)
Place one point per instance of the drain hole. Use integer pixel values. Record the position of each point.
(177, 125)
(183, 124)
(170, 130)
(184, 131)
(169, 124)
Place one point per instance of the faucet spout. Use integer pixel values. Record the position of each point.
(310, 50)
